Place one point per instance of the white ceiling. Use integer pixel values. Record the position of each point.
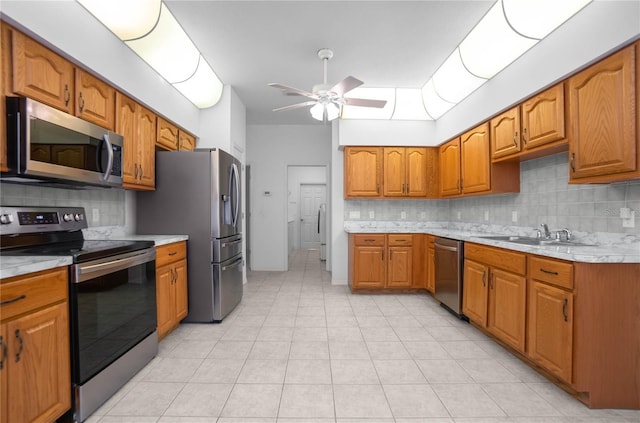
(383, 43)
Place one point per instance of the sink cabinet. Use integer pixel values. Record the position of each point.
(494, 292)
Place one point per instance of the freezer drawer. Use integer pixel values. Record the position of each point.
(227, 286)
(226, 248)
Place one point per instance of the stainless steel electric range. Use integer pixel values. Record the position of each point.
(112, 297)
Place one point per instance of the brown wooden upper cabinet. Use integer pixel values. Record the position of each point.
(363, 172)
(37, 72)
(603, 119)
(187, 142)
(466, 168)
(167, 135)
(531, 126)
(405, 171)
(95, 100)
(138, 126)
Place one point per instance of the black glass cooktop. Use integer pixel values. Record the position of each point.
(81, 250)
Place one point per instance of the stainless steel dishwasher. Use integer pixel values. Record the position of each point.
(448, 274)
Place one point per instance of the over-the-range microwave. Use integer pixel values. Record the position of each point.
(49, 147)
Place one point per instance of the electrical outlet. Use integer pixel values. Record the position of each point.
(630, 222)
(371, 214)
(403, 215)
(95, 215)
(354, 214)
(625, 213)
(514, 216)
(486, 215)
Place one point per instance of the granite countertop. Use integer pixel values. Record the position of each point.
(21, 265)
(610, 249)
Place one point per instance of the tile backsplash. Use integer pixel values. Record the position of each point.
(545, 197)
(109, 203)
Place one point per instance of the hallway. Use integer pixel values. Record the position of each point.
(299, 349)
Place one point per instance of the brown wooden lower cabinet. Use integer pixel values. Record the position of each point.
(35, 365)
(386, 261)
(171, 286)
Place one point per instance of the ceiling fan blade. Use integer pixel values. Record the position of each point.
(295, 106)
(363, 102)
(291, 90)
(346, 85)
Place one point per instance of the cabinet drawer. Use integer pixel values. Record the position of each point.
(497, 257)
(169, 253)
(32, 291)
(400, 239)
(552, 271)
(368, 239)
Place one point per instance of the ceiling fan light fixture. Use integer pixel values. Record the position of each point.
(317, 111)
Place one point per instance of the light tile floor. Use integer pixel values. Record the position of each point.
(299, 349)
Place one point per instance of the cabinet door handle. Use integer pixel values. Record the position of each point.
(3, 351)
(524, 135)
(135, 171)
(515, 139)
(491, 284)
(141, 171)
(572, 162)
(67, 94)
(81, 105)
(382, 255)
(549, 272)
(484, 278)
(378, 188)
(14, 300)
(20, 344)
(564, 310)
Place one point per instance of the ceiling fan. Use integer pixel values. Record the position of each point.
(326, 100)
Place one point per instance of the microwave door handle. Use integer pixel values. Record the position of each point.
(107, 172)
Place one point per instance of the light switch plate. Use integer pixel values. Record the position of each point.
(486, 215)
(630, 222)
(371, 214)
(514, 216)
(403, 215)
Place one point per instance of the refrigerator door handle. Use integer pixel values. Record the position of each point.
(318, 220)
(234, 180)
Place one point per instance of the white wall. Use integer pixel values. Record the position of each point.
(224, 126)
(270, 150)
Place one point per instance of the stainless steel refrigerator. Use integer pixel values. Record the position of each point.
(198, 194)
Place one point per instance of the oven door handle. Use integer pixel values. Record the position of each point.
(87, 271)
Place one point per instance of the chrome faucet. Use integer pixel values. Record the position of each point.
(545, 228)
(563, 234)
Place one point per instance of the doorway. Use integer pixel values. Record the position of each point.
(311, 197)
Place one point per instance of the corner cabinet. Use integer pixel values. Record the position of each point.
(363, 172)
(186, 142)
(603, 119)
(34, 336)
(171, 286)
(138, 126)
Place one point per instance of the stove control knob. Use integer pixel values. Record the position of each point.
(67, 217)
(78, 217)
(5, 219)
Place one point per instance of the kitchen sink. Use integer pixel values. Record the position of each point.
(528, 240)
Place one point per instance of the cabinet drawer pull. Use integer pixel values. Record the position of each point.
(20, 344)
(14, 300)
(564, 310)
(3, 351)
(173, 253)
(401, 240)
(549, 272)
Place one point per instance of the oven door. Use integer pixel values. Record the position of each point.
(112, 308)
